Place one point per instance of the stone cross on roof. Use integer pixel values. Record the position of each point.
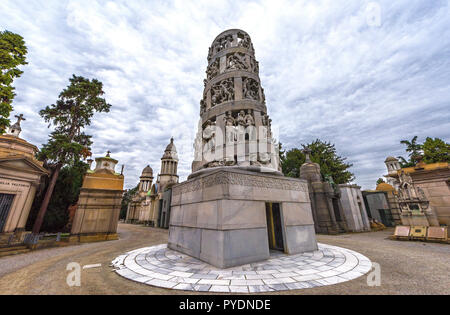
(15, 129)
(19, 118)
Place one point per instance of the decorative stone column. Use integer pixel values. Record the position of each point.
(237, 205)
(233, 91)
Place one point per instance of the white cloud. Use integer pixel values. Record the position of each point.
(326, 73)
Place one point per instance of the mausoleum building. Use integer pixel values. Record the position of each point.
(151, 204)
(20, 175)
(99, 203)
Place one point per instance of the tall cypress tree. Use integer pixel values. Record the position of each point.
(68, 143)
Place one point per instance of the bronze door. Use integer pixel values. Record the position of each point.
(5, 206)
(274, 226)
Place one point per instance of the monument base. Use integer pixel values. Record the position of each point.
(232, 217)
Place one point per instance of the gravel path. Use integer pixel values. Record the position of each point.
(406, 267)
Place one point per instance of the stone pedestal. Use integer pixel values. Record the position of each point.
(98, 211)
(354, 209)
(220, 217)
(99, 203)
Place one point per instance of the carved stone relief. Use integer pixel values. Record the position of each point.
(209, 133)
(239, 122)
(202, 106)
(230, 129)
(221, 178)
(213, 70)
(245, 41)
(249, 120)
(222, 92)
(254, 65)
(251, 89)
(236, 61)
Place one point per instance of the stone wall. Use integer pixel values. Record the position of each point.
(220, 217)
(19, 176)
(354, 209)
(98, 211)
(376, 201)
(436, 187)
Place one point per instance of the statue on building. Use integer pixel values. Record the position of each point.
(230, 129)
(414, 205)
(328, 214)
(99, 203)
(237, 61)
(235, 163)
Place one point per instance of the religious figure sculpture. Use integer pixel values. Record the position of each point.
(254, 66)
(213, 70)
(249, 120)
(222, 92)
(210, 52)
(230, 129)
(251, 89)
(241, 119)
(245, 42)
(414, 204)
(228, 41)
(202, 106)
(236, 61)
(230, 55)
(208, 136)
(250, 125)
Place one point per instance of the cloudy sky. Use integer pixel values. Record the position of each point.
(361, 74)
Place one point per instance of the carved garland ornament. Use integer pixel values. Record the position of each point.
(229, 178)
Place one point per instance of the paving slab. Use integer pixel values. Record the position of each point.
(162, 267)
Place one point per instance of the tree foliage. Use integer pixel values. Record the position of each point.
(433, 151)
(12, 55)
(72, 112)
(323, 153)
(68, 143)
(127, 196)
(413, 149)
(380, 181)
(65, 194)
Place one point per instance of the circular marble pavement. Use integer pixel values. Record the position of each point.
(161, 267)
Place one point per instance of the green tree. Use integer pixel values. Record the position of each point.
(65, 194)
(12, 55)
(68, 143)
(380, 181)
(127, 196)
(323, 153)
(435, 150)
(291, 161)
(414, 149)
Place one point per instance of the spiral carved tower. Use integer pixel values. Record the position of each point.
(236, 205)
(234, 128)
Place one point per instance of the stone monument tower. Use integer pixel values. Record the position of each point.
(236, 204)
(234, 128)
(169, 165)
(329, 217)
(146, 179)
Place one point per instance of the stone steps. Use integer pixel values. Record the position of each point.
(13, 250)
